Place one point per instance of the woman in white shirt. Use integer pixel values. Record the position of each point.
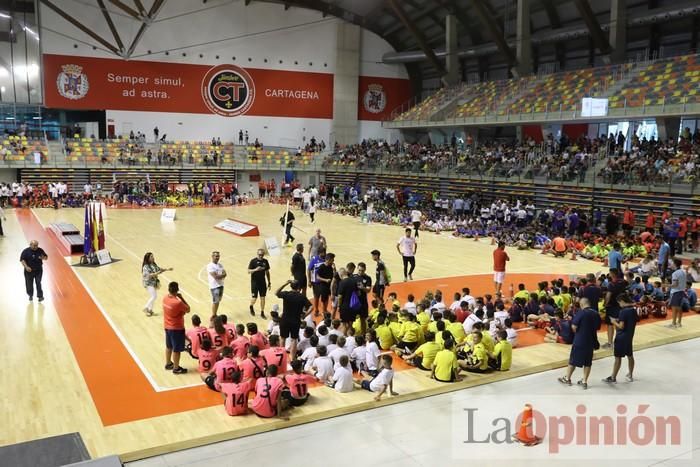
(149, 275)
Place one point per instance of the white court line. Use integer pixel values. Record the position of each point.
(121, 337)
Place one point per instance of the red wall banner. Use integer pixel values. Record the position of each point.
(379, 96)
(72, 82)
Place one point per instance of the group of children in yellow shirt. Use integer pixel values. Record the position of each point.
(437, 342)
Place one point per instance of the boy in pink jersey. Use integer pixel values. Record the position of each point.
(254, 366)
(297, 382)
(240, 344)
(223, 370)
(230, 329)
(268, 401)
(275, 355)
(195, 336)
(207, 358)
(236, 395)
(219, 337)
(257, 338)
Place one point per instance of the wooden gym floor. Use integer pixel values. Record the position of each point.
(88, 360)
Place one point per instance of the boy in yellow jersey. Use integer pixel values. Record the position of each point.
(374, 312)
(445, 367)
(439, 332)
(395, 326)
(437, 317)
(455, 327)
(479, 361)
(558, 299)
(566, 295)
(392, 301)
(410, 335)
(522, 293)
(385, 337)
(486, 339)
(423, 319)
(502, 355)
(424, 356)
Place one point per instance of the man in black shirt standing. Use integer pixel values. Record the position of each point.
(298, 268)
(346, 287)
(324, 276)
(295, 307)
(616, 286)
(259, 270)
(364, 286)
(32, 258)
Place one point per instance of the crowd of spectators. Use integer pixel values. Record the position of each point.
(655, 162)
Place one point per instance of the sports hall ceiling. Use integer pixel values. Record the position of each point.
(563, 31)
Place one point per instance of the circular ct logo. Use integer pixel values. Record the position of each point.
(375, 99)
(72, 83)
(228, 90)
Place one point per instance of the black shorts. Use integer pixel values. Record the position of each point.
(347, 315)
(322, 290)
(622, 348)
(258, 288)
(416, 225)
(301, 280)
(611, 313)
(175, 339)
(289, 329)
(293, 401)
(364, 312)
(378, 290)
(407, 345)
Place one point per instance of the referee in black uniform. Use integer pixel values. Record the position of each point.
(298, 268)
(259, 270)
(32, 259)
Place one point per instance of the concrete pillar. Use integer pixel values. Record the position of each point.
(618, 30)
(453, 73)
(668, 127)
(523, 43)
(345, 129)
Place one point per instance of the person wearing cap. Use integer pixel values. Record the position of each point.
(295, 307)
(625, 324)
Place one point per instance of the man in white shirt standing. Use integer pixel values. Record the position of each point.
(88, 190)
(216, 275)
(415, 219)
(407, 248)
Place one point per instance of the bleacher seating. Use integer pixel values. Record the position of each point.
(482, 98)
(427, 107)
(191, 152)
(670, 81)
(19, 148)
(562, 91)
(281, 157)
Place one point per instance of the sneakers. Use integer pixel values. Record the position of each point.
(180, 371)
(41, 299)
(262, 315)
(148, 312)
(671, 326)
(31, 299)
(169, 366)
(605, 346)
(252, 311)
(405, 279)
(609, 380)
(410, 277)
(629, 378)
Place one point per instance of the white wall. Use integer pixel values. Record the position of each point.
(374, 130)
(272, 131)
(371, 51)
